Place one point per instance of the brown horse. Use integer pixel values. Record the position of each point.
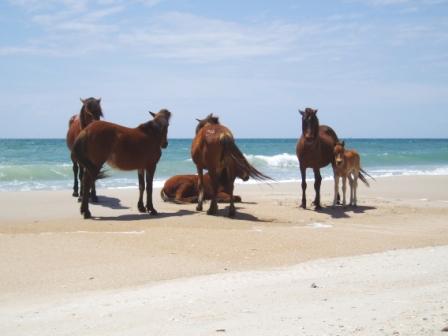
(124, 148)
(314, 150)
(184, 189)
(90, 111)
(214, 149)
(348, 165)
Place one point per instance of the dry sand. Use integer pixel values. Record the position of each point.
(186, 273)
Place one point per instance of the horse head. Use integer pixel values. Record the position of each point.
(339, 149)
(161, 122)
(92, 107)
(310, 124)
(210, 119)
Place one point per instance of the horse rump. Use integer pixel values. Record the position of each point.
(79, 153)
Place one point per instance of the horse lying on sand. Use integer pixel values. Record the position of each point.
(214, 149)
(184, 189)
(314, 150)
(90, 111)
(123, 148)
(348, 165)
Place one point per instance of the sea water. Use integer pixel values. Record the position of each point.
(44, 164)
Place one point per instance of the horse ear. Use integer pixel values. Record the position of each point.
(302, 112)
(315, 111)
(82, 100)
(198, 120)
(99, 100)
(152, 113)
(343, 143)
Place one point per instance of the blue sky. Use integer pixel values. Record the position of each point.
(373, 68)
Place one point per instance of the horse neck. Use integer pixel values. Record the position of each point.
(85, 118)
(150, 133)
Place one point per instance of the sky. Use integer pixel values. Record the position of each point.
(373, 68)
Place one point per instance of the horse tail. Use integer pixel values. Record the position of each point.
(366, 173)
(363, 179)
(230, 150)
(79, 151)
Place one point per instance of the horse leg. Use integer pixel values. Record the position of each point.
(214, 184)
(223, 197)
(355, 190)
(337, 191)
(141, 188)
(350, 182)
(86, 184)
(344, 189)
(303, 174)
(93, 196)
(81, 178)
(317, 183)
(149, 177)
(75, 182)
(230, 187)
(182, 194)
(200, 189)
(336, 188)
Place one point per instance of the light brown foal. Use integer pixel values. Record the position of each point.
(347, 165)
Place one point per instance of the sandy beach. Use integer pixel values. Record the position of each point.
(275, 269)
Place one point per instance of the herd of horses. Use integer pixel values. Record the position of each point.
(94, 142)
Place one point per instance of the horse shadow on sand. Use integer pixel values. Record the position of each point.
(110, 202)
(144, 216)
(239, 215)
(342, 211)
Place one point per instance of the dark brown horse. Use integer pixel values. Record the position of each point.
(184, 189)
(90, 111)
(124, 148)
(214, 149)
(314, 150)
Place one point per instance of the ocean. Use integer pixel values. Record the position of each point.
(44, 164)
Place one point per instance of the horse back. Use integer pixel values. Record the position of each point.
(74, 128)
(171, 185)
(207, 147)
(189, 183)
(353, 160)
(122, 147)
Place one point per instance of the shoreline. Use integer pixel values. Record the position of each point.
(158, 184)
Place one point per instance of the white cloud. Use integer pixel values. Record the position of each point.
(195, 38)
(409, 5)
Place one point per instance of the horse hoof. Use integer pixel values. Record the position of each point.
(318, 207)
(199, 208)
(153, 212)
(75, 194)
(231, 213)
(211, 212)
(141, 208)
(79, 199)
(94, 199)
(87, 214)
